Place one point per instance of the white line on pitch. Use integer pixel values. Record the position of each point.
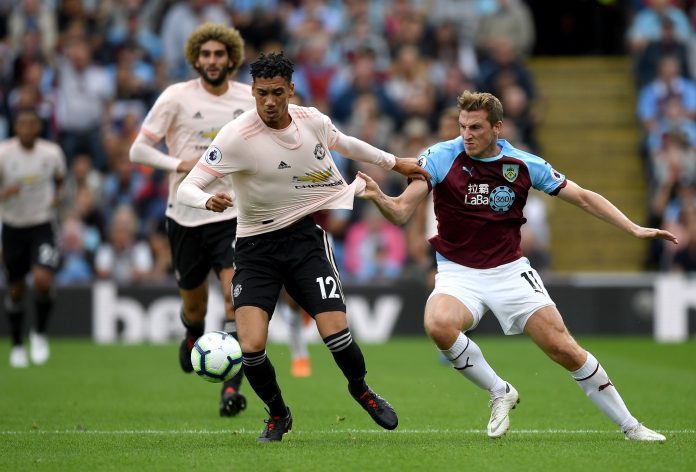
(330, 431)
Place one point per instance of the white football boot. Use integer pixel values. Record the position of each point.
(641, 433)
(500, 408)
(38, 348)
(18, 357)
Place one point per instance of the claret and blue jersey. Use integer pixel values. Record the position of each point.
(479, 202)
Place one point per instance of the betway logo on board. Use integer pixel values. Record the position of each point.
(120, 318)
(124, 319)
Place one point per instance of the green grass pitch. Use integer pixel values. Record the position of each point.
(94, 408)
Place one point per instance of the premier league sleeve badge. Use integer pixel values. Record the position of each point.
(213, 156)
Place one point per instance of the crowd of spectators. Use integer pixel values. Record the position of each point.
(662, 41)
(386, 71)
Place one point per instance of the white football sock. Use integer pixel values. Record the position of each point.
(467, 358)
(594, 381)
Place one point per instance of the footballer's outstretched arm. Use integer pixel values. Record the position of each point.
(143, 151)
(358, 150)
(598, 206)
(399, 209)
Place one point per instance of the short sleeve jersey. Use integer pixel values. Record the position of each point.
(479, 202)
(279, 176)
(35, 171)
(188, 118)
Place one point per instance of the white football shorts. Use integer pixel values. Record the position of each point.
(512, 291)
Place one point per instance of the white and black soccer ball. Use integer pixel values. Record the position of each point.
(216, 356)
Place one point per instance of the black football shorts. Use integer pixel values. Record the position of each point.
(298, 257)
(197, 249)
(25, 247)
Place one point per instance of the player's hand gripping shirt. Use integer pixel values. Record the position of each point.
(280, 176)
(479, 202)
(35, 172)
(188, 118)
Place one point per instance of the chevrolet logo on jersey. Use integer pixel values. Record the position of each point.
(510, 171)
(319, 176)
(29, 179)
(322, 178)
(209, 134)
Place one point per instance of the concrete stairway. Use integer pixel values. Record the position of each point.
(589, 132)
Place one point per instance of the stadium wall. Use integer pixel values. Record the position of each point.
(660, 305)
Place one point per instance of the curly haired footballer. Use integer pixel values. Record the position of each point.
(230, 37)
(186, 116)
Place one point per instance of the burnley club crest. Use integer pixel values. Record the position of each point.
(511, 171)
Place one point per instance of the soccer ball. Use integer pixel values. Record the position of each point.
(216, 356)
